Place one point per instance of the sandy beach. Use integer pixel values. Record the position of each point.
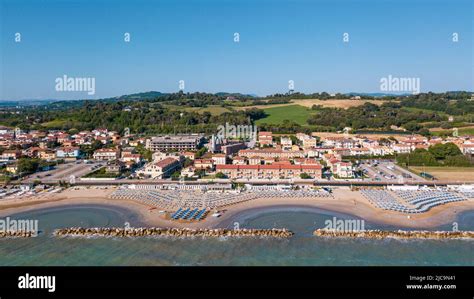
(353, 203)
(344, 201)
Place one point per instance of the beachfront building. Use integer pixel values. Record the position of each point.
(160, 169)
(343, 169)
(159, 156)
(68, 152)
(274, 171)
(174, 142)
(106, 154)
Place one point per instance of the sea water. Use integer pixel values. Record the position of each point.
(303, 249)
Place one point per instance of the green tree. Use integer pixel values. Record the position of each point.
(176, 175)
(27, 165)
(418, 157)
(220, 175)
(305, 176)
(442, 151)
(201, 152)
(458, 161)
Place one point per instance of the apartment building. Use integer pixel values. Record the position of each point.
(174, 142)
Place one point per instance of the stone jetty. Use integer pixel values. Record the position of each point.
(170, 232)
(17, 234)
(399, 234)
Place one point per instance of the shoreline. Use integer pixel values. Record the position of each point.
(344, 202)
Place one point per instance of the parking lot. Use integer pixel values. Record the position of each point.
(387, 171)
(63, 172)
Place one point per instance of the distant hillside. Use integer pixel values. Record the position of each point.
(140, 96)
(235, 94)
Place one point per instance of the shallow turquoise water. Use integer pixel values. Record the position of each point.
(302, 249)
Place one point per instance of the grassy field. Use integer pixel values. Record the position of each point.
(461, 131)
(276, 115)
(447, 173)
(54, 124)
(413, 109)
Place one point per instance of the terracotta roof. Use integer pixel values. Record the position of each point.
(165, 162)
(271, 166)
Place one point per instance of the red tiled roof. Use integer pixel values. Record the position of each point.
(271, 166)
(165, 162)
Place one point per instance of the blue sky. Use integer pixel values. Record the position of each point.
(194, 41)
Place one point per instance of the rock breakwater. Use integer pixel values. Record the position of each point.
(17, 234)
(399, 234)
(170, 232)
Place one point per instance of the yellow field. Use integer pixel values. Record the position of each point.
(447, 173)
(308, 103)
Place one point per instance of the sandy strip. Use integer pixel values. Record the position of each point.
(344, 201)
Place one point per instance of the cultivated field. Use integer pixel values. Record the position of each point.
(336, 103)
(308, 103)
(447, 173)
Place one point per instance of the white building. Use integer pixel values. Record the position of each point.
(286, 143)
(161, 168)
(106, 154)
(343, 170)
